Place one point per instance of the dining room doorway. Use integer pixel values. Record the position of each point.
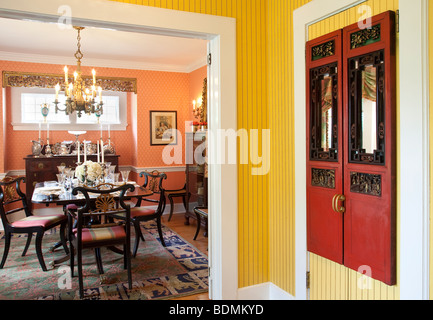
(221, 34)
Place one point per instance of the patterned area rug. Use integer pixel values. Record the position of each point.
(157, 272)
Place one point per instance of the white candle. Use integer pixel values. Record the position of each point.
(39, 131)
(101, 131)
(98, 152)
(100, 94)
(102, 151)
(66, 74)
(78, 152)
(85, 151)
(109, 135)
(57, 91)
(48, 131)
(94, 79)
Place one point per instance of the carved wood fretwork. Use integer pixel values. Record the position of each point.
(46, 80)
(365, 36)
(370, 184)
(323, 178)
(323, 50)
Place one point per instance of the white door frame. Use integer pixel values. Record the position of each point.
(222, 91)
(413, 163)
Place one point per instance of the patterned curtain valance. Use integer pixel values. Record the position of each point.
(46, 80)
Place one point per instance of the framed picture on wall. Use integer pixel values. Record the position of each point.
(163, 127)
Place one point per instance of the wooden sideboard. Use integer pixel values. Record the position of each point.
(45, 169)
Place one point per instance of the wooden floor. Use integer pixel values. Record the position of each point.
(177, 224)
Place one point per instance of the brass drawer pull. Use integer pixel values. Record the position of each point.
(337, 198)
(40, 165)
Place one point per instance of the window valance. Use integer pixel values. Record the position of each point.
(46, 80)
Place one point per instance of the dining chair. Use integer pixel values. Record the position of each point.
(13, 200)
(201, 213)
(177, 193)
(153, 182)
(92, 226)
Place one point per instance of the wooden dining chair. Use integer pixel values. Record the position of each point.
(13, 200)
(177, 193)
(92, 226)
(153, 182)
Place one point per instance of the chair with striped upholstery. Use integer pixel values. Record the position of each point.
(92, 226)
(13, 200)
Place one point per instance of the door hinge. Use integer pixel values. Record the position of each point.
(308, 279)
(209, 59)
(397, 21)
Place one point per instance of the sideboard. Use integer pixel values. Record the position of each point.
(45, 168)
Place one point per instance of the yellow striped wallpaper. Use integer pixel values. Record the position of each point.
(253, 195)
(328, 279)
(281, 122)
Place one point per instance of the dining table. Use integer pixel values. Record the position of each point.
(50, 192)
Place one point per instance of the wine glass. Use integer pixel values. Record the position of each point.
(125, 174)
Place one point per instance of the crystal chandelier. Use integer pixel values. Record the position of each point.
(79, 97)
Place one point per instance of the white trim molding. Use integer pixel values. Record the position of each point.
(414, 150)
(264, 291)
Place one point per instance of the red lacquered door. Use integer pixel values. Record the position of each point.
(351, 147)
(369, 158)
(324, 146)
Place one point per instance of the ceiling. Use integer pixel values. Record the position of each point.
(34, 41)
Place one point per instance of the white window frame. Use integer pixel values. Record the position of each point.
(16, 110)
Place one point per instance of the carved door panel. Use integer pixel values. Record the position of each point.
(324, 146)
(351, 147)
(369, 159)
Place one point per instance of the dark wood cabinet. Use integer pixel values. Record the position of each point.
(196, 173)
(45, 169)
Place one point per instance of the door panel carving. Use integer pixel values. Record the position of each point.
(351, 147)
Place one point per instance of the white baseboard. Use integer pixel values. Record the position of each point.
(264, 291)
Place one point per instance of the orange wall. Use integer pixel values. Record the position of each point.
(196, 84)
(156, 91)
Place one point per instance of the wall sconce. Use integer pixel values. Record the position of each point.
(197, 108)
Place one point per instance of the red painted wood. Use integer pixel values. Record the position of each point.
(365, 235)
(324, 226)
(369, 221)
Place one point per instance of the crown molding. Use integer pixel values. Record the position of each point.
(101, 63)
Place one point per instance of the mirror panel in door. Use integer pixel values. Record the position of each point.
(323, 113)
(366, 109)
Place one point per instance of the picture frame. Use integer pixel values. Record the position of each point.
(163, 127)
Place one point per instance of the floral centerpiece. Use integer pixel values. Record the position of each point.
(88, 172)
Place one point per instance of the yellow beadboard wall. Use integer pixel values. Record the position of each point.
(253, 196)
(281, 122)
(330, 280)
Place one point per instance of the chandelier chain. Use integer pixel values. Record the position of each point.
(79, 55)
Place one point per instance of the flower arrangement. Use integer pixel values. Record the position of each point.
(93, 172)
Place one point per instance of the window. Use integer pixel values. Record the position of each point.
(26, 111)
(110, 113)
(31, 108)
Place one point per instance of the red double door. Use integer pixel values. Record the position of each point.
(351, 148)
